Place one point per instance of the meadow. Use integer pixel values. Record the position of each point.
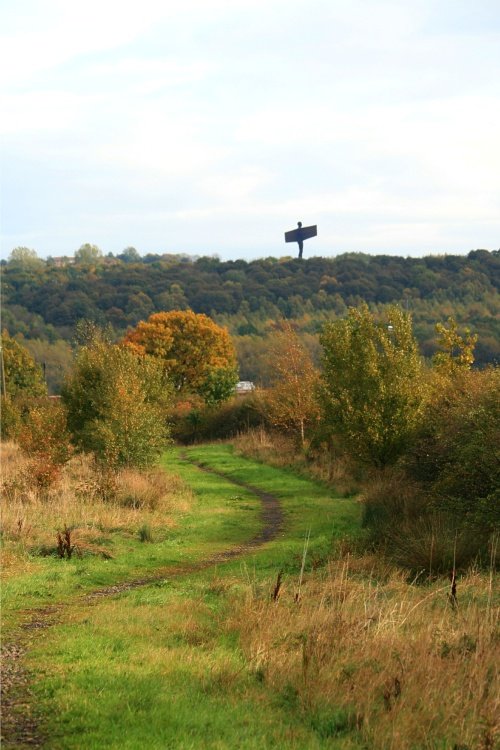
(311, 640)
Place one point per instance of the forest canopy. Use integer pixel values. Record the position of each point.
(43, 300)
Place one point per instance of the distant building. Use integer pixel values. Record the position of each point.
(244, 387)
(63, 260)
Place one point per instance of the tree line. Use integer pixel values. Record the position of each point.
(44, 300)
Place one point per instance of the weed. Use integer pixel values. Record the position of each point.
(277, 587)
(145, 534)
(65, 546)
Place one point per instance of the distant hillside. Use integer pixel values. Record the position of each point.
(44, 299)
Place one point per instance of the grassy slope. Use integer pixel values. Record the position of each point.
(154, 667)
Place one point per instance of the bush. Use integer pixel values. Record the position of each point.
(221, 423)
(402, 518)
(441, 507)
(10, 419)
(116, 403)
(436, 543)
(43, 436)
(455, 453)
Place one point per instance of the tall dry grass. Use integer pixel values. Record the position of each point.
(368, 657)
(32, 516)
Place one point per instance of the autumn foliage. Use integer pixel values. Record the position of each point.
(198, 355)
(291, 403)
(44, 438)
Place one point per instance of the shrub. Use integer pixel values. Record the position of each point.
(43, 436)
(116, 403)
(10, 418)
(219, 423)
(455, 452)
(404, 518)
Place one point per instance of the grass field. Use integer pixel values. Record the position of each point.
(346, 654)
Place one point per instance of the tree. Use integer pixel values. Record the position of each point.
(372, 383)
(88, 253)
(218, 386)
(116, 403)
(22, 375)
(291, 403)
(57, 358)
(130, 255)
(457, 353)
(197, 354)
(24, 257)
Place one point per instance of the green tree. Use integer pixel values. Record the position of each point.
(116, 403)
(25, 258)
(372, 386)
(218, 385)
(22, 375)
(130, 255)
(88, 254)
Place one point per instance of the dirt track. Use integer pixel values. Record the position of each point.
(21, 726)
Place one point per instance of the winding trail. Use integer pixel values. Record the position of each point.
(21, 726)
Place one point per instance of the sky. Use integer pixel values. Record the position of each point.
(213, 126)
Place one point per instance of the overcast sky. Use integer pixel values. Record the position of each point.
(212, 126)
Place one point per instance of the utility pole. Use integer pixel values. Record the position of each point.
(2, 373)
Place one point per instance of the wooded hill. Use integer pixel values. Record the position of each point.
(45, 299)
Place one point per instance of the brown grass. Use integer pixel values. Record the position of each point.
(32, 517)
(400, 666)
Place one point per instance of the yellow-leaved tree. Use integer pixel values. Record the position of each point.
(198, 355)
(291, 403)
(456, 353)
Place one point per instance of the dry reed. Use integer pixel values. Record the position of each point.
(32, 517)
(400, 666)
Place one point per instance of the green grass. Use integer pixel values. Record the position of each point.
(154, 667)
(215, 521)
(309, 507)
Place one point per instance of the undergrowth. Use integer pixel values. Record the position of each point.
(367, 656)
(83, 504)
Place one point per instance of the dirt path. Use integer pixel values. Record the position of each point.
(21, 726)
